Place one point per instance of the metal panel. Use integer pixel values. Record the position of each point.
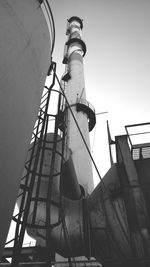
(24, 53)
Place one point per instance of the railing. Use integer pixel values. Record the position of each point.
(86, 103)
(86, 107)
(139, 140)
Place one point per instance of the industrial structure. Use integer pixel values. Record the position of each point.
(46, 163)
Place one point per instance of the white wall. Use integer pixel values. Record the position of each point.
(24, 59)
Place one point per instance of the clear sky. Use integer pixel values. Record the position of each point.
(117, 63)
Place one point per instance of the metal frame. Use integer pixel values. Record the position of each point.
(137, 149)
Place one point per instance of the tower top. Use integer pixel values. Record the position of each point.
(74, 18)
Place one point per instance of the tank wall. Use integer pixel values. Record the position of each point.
(25, 53)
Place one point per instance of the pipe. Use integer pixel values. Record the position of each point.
(74, 90)
(108, 234)
(68, 238)
(96, 226)
(70, 187)
(72, 212)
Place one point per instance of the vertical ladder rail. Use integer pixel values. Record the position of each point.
(19, 240)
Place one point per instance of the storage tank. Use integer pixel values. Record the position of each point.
(27, 38)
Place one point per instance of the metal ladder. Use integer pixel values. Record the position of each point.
(33, 172)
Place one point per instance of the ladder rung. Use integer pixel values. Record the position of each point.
(24, 187)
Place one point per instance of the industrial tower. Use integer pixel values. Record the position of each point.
(57, 206)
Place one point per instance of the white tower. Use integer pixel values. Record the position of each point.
(82, 111)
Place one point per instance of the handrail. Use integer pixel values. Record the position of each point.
(145, 132)
(86, 103)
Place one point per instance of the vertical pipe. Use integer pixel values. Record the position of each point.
(76, 90)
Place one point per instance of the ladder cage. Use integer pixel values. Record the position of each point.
(48, 121)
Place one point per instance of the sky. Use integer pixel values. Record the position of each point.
(116, 65)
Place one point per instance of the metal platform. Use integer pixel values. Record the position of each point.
(139, 140)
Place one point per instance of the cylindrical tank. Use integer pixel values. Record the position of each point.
(25, 54)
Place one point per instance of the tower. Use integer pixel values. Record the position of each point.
(81, 111)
